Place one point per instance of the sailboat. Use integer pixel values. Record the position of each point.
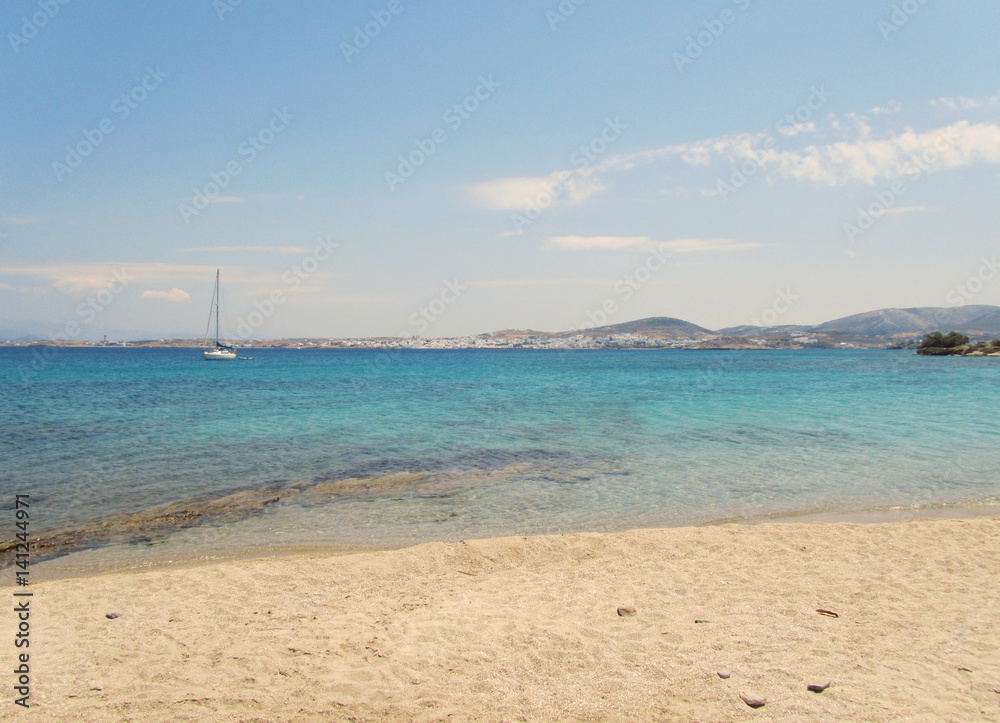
(220, 352)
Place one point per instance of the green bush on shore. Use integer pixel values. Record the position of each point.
(937, 340)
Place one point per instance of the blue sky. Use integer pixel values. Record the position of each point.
(385, 168)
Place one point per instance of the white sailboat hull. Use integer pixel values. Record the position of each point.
(218, 355)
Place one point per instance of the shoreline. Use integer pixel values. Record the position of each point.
(98, 560)
(526, 628)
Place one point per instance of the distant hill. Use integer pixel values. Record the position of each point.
(656, 327)
(974, 319)
(747, 330)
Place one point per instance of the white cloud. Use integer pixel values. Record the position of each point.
(522, 192)
(893, 106)
(680, 246)
(864, 159)
(510, 193)
(597, 242)
(695, 245)
(175, 295)
(263, 249)
(92, 277)
(695, 153)
(790, 131)
(535, 282)
(20, 220)
(860, 156)
(964, 103)
(908, 209)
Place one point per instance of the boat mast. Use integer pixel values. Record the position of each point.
(217, 307)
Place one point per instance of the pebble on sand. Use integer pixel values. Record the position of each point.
(753, 701)
(627, 612)
(112, 616)
(818, 687)
(724, 674)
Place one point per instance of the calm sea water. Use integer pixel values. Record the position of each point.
(377, 448)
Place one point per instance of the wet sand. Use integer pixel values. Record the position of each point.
(528, 629)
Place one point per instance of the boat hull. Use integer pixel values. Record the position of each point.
(218, 355)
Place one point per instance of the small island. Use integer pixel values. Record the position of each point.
(956, 344)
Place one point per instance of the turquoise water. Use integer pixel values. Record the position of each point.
(383, 448)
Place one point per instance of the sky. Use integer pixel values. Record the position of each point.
(390, 167)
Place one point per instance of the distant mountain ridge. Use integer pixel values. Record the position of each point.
(976, 320)
(655, 326)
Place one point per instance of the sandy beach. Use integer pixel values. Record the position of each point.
(529, 629)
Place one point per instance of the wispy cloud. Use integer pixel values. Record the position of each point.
(844, 150)
(908, 209)
(864, 159)
(175, 295)
(258, 249)
(790, 131)
(680, 246)
(597, 242)
(716, 245)
(893, 106)
(962, 102)
(91, 277)
(535, 282)
(20, 220)
(522, 192)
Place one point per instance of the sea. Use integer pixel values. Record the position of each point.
(140, 456)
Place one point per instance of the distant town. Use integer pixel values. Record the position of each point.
(885, 328)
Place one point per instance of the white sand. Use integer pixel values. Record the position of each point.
(527, 629)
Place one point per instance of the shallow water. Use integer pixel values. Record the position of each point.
(379, 448)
